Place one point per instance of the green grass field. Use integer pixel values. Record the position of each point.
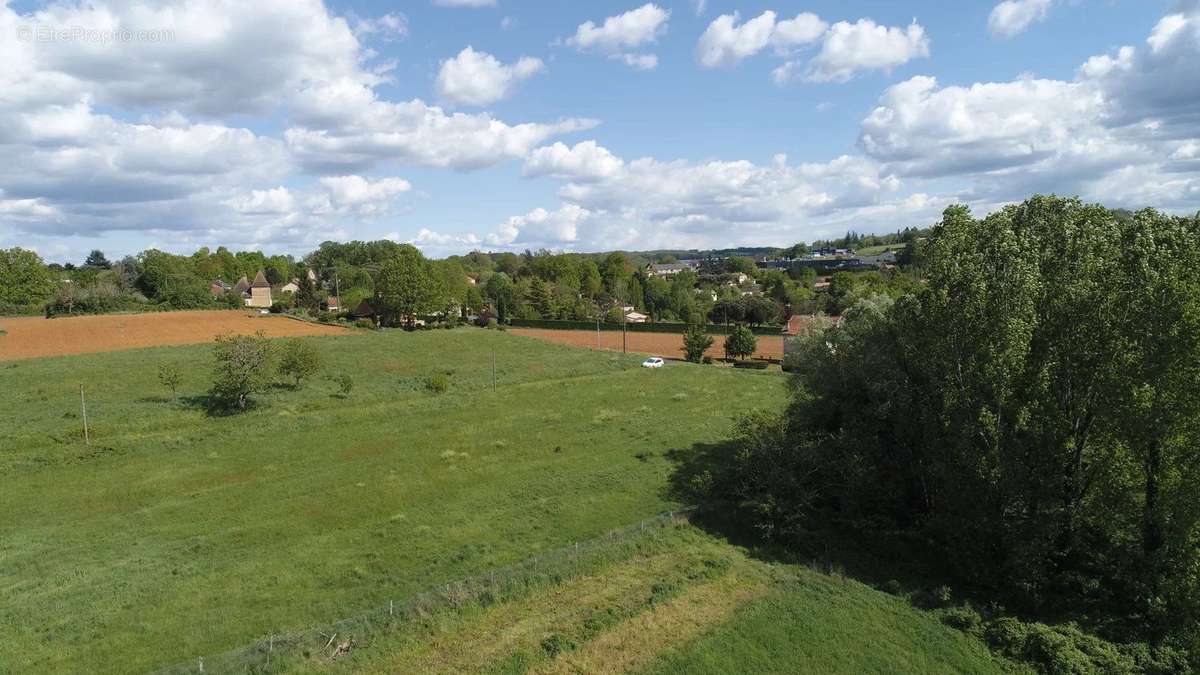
(177, 534)
(675, 600)
(876, 250)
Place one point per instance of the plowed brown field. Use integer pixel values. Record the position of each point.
(33, 337)
(666, 345)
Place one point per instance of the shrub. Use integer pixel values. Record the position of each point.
(169, 376)
(298, 360)
(492, 323)
(707, 360)
(963, 618)
(752, 365)
(243, 368)
(695, 343)
(557, 644)
(365, 323)
(741, 342)
(438, 383)
(345, 384)
(326, 317)
(276, 308)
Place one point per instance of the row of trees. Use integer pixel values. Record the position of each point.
(533, 285)
(1032, 414)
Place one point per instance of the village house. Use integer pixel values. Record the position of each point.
(292, 286)
(260, 292)
(670, 269)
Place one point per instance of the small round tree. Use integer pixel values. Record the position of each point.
(695, 343)
(169, 376)
(243, 368)
(298, 360)
(741, 342)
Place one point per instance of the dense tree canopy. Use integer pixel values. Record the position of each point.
(24, 279)
(1032, 412)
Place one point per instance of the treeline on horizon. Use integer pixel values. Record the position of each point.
(404, 284)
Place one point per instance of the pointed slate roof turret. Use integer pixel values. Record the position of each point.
(242, 285)
(260, 281)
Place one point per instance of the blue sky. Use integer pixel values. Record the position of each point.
(512, 125)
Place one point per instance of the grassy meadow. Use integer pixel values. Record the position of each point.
(678, 601)
(177, 534)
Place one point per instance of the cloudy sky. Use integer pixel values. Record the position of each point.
(510, 124)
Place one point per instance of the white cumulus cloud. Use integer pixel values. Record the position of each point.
(1012, 17)
(620, 34)
(479, 79)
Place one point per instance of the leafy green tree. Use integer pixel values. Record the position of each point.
(590, 283)
(1031, 413)
(695, 343)
(97, 260)
(243, 368)
(499, 290)
(299, 360)
(740, 342)
(24, 279)
(406, 286)
(757, 310)
(308, 296)
(170, 376)
(741, 264)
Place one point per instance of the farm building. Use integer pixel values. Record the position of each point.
(292, 286)
(260, 291)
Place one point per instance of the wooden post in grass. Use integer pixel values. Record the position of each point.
(493, 369)
(202, 664)
(87, 438)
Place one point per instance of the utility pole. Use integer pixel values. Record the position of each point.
(493, 369)
(87, 439)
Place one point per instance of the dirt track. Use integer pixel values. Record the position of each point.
(34, 337)
(667, 345)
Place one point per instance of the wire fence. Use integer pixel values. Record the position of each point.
(329, 641)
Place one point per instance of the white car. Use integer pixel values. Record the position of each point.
(652, 362)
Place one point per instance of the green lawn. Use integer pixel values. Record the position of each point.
(675, 600)
(815, 623)
(876, 250)
(177, 534)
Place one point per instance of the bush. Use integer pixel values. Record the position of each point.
(276, 308)
(365, 323)
(438, 383)
(741, 342)
(169, 376)
(695, 343)
(345, 384)
(557, 644)
(752, 365)
(964, 618)
(243, 368)
(707, 360)
(299, 359)
(1066, 650)
(326, 317)
(493, 324)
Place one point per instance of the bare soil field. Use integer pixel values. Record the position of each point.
(29, 337)
(666, 345)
